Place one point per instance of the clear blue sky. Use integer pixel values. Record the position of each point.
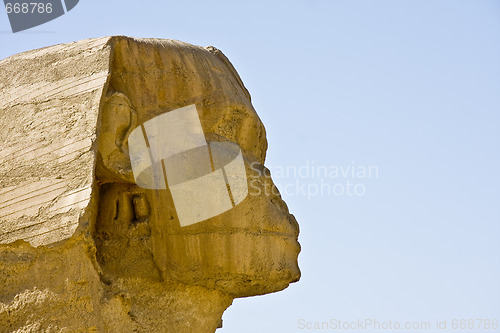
(411, 87)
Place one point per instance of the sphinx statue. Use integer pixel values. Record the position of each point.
(124, 197)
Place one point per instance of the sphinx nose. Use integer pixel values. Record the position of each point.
(288, 225)
(294, 224)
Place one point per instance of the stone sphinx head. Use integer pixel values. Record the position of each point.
(247, 250)
(158, 121)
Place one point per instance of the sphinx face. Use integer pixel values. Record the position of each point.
(249, 248)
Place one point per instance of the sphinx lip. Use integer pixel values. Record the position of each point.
(273, 233)
(232, 231)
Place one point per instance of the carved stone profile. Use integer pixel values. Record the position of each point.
(83, 247)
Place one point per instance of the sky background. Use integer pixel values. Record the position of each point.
(410, 87)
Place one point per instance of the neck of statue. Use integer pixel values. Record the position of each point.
(164, 307)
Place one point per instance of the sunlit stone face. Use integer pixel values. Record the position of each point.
(247, 250)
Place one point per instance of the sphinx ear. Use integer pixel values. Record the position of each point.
(118, 119)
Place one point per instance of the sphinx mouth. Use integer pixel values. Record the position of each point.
(247, 231)
(287, 228)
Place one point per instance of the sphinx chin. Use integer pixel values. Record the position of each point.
(242, 264)
(246, 285)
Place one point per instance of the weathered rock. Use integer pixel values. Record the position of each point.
(82, 246)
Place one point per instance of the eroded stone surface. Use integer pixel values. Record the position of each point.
(82, 247)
